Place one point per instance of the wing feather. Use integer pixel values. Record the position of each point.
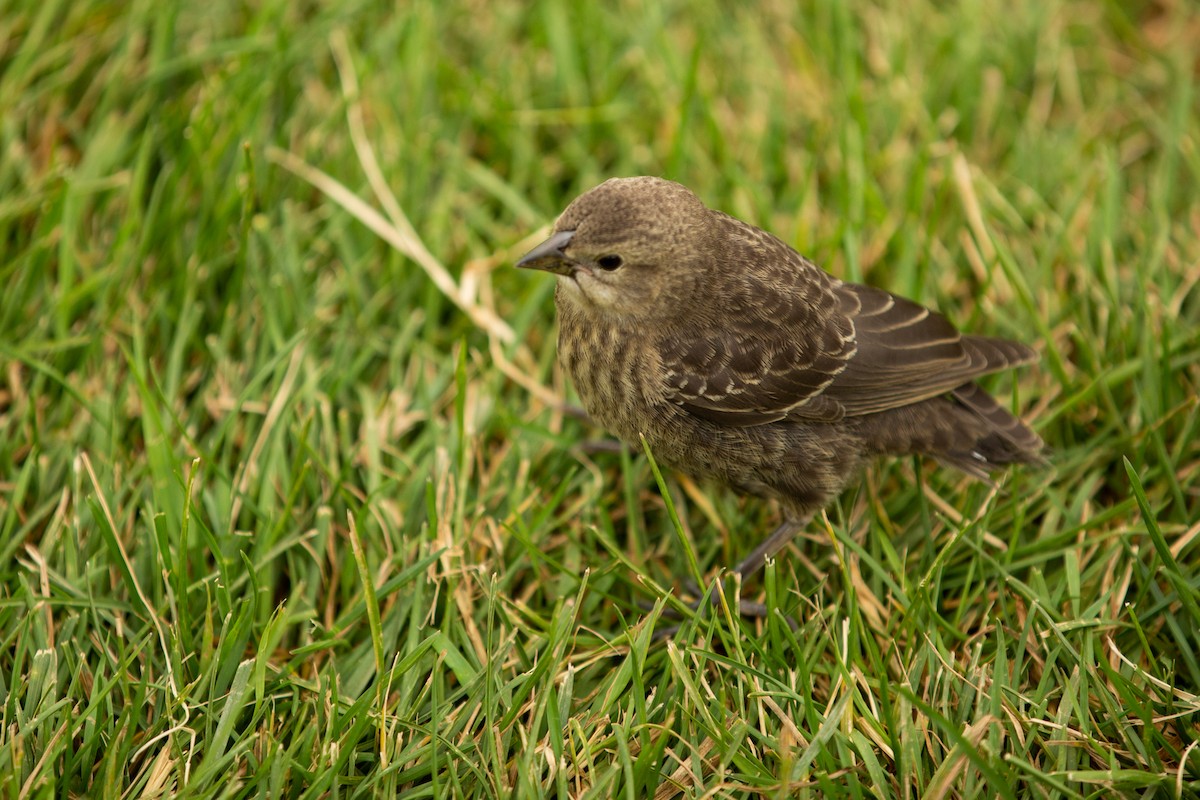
(795, 342)
(907, 353)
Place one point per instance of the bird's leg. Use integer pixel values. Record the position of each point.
(601, 446)
(572, 410)
(748, 567)
(786, 531)
(751, 564)
(595, 445)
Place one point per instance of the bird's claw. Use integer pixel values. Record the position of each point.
(746, 608)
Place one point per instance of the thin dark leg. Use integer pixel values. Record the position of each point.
(786, 531)
(749, 566)
(572, 410)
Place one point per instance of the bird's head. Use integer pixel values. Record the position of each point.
(632, 248)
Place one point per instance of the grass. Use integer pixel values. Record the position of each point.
(288, 503)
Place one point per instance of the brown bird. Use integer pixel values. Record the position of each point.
(741, 361)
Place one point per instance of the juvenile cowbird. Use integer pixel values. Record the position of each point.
(741, 361)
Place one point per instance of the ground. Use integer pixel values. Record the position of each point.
(289, 502)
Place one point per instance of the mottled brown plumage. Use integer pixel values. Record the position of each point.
(740, 360)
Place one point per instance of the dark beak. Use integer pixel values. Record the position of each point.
(549, 255)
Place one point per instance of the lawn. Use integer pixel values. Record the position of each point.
(292, 503)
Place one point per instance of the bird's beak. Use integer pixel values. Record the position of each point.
(549, 255)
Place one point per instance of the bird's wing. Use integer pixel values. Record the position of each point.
(907, 353)
(794, 342)
(780, 341)
(740, 379)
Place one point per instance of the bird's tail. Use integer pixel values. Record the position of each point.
(1001, 439)
(965, 429)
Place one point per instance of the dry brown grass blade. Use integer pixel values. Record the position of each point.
(403, 238)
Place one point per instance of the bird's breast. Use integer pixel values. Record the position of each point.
(614, 375)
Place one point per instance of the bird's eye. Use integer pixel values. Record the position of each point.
(610, 262)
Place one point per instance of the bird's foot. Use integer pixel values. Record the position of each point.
(747, 608)
(702, 601)
(748, 567)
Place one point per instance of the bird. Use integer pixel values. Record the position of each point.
(738, 360)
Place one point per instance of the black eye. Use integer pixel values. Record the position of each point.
(609, 262)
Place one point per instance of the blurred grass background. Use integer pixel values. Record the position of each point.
(279, 519)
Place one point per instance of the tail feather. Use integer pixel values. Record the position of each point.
(1004, 439)
(966, 429)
